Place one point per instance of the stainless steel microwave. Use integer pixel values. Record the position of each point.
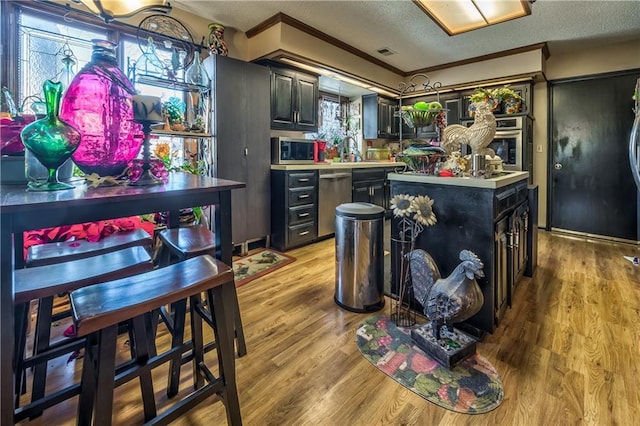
(292, 151)
(507, 142)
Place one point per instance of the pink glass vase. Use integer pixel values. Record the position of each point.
(98, 103)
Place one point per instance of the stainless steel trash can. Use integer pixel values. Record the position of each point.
(359, 257)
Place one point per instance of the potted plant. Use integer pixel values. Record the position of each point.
(481, 94)
(510, 99)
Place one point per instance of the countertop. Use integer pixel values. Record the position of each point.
(320, 166)
(492, 183)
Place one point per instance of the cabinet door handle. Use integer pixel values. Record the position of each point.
(303, 180)
(303, 214)
(246, 151)
(303, 233)
(303, 196)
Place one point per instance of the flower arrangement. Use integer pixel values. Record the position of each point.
(414, 212)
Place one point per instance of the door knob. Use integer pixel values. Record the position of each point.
(557, 166)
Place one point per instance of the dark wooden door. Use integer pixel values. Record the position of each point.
(307, 102)
(591, 187)
(243, 148)
(361, 193)
(282, 99)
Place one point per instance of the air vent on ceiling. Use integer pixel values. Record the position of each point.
(385, 51)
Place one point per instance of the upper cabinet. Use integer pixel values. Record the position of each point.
(379, 120)
(294, 100)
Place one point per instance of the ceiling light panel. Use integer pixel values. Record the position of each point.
(459, 16)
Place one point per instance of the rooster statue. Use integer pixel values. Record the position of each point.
(457, 297)
(446, 301)
(478, 136)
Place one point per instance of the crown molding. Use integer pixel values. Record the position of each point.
(299, 25)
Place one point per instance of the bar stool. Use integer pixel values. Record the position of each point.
(98, 309)
(50, 253)
(43, 283)
(179, 244)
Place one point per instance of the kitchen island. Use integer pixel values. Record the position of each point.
(490, 217)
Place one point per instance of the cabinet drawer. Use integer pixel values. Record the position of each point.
(302, 233)
(369, 174)
(301, 214)
(521, 192)
(505, 200)
(298, 180)
(299, 196)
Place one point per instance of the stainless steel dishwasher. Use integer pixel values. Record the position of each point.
(335, 189)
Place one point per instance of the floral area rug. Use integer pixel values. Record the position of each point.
(472, 387)
(256, 265)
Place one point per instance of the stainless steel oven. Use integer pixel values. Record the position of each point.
(507, 142)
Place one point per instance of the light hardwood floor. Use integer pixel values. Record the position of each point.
(567, 351)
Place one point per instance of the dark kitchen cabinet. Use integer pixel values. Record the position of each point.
(492, 223)
(294, 208)
(294, 100)
(369, 186)
(379, 119)
(241, 126)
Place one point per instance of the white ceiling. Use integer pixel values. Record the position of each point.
(402, 27)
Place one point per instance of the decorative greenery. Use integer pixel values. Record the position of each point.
(500, 93)
(162, 151)
(481, 94)
(174, 108)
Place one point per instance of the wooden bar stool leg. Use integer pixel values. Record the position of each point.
(224, 320)
(21, 318)
(179, 312)
(41, 339)
(104, 373)
(239, 331)
(141, 351)
(197, 339)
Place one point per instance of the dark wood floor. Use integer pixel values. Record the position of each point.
(567, 351)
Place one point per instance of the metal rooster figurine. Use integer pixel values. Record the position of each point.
(478, 136)
(446, 300)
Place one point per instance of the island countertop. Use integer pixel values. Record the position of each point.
(505, 179)
(321, 166)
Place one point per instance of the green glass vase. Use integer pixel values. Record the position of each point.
(51, 140)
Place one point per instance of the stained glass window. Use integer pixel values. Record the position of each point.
(42, 44)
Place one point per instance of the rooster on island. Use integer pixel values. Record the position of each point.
(446, 300)
(478, 136)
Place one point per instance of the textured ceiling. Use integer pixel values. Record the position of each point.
(419, 43)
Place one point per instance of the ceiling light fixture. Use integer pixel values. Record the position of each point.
(459, 16)
(112, 9)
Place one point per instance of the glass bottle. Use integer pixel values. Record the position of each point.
(195, 73)
(98, 103)
(51, 140)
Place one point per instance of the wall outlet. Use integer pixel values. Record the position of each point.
(539, 148)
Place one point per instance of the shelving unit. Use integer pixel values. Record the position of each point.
(416, 81)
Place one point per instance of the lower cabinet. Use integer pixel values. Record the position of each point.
(294, 199)
(492, 223)
(370, 186)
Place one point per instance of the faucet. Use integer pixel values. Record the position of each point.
(345, 149)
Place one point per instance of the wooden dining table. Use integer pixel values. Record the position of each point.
(22, 210)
